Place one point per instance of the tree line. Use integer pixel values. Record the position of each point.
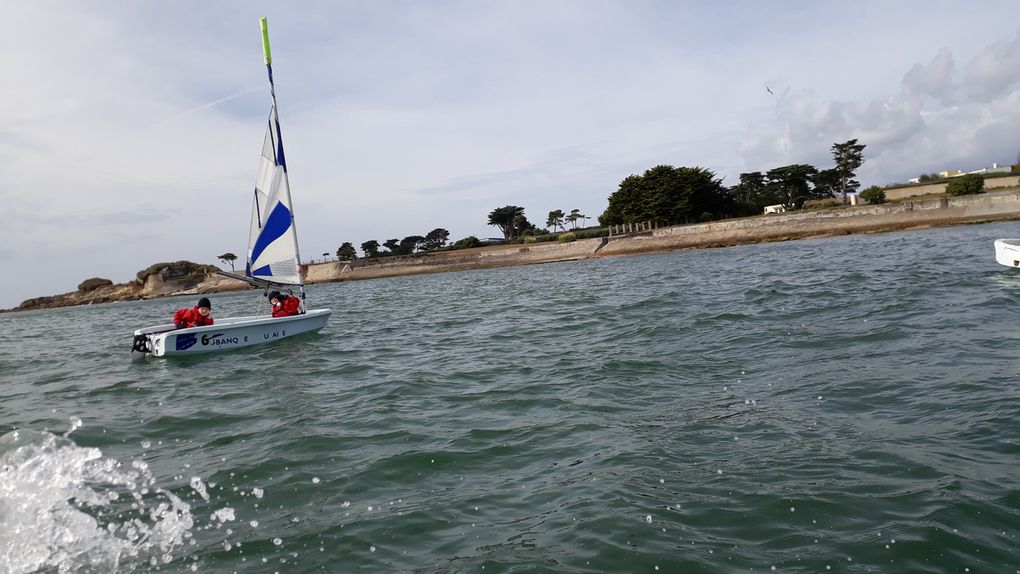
(682, 194)
(663, 193)
(509, 219)
(512, 222)
(431, 241)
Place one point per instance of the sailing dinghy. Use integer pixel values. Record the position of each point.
(1007, 252)
(273, 262)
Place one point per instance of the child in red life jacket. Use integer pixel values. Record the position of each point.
(284, 305)
(197, 317)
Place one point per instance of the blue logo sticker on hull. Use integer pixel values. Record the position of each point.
(185, 342)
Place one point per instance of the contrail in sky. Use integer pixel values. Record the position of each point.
(206, 106)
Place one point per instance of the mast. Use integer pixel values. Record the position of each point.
(264, 25)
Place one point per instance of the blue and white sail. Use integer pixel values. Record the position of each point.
(272, 241)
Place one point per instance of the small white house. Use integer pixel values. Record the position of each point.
(778, 208)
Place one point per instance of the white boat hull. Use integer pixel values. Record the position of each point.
(225, 334)
(1007, 252)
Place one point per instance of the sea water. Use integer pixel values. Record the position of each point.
(846, 404)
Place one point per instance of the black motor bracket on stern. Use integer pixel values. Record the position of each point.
(141, 344)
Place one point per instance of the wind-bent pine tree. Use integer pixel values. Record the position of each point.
(228, 258)
(848, 157)
(555, 219)
(504, 218)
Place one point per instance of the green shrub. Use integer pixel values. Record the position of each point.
(467, 242)
(593, 232)
(93, 283)
(873, 195)
(966, 185)
(566, 238)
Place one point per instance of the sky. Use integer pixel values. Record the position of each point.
(130, 132)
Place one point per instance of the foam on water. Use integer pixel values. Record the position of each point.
(71, 509)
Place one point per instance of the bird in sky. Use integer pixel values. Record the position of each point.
(768, 90)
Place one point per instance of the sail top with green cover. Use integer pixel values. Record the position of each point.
(272, 241)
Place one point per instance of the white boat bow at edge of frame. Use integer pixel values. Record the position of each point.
(1007, 252)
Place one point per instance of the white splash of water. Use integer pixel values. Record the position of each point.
(75, 425)
(225, 514)
(198, 486)
(59, 508)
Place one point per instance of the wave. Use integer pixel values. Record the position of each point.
(70, 508)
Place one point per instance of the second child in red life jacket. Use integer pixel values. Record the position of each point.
(197, 317)
(284, 305)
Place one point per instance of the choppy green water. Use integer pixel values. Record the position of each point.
(845, 404)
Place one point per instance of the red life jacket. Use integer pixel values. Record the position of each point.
(191, 318)
(287, 307)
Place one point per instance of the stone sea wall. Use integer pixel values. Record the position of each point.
(991, 206)
(445, 261)
(897, 193)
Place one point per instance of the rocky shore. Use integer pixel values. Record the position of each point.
(934, 212)
(154, 286)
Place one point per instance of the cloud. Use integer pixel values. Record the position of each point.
(141, 216)
(993, 72)
(933, 80)
(941, 118)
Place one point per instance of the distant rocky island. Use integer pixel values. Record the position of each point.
(188, 278)
(159, 280)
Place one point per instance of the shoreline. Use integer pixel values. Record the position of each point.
(919, 214)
